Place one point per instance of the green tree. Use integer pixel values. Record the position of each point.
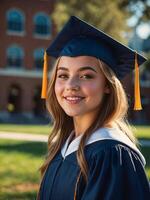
(109, 15)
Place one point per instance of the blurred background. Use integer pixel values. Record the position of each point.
(27, 29)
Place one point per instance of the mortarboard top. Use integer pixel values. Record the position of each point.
(78, 38)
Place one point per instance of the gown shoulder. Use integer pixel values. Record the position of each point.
(116, 172)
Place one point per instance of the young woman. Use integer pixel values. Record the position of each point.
(92, 152)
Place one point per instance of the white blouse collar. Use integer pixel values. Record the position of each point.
(100, 134)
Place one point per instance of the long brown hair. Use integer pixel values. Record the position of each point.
(113, 110)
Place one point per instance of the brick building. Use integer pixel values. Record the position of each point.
(26, 31)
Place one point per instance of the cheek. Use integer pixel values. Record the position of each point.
(58, 89)
(94, 89)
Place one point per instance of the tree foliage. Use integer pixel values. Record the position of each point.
(110, 15)
(105, 15)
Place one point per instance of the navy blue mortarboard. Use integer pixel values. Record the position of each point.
(79, 38)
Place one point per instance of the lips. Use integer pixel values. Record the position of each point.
(73, 99)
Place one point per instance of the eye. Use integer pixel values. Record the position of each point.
(62, 76)
(87, 76)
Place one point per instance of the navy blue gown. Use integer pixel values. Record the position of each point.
(116, 171)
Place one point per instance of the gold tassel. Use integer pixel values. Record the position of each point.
(44, 80)
(137, 98)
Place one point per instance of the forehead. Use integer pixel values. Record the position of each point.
(79, 61)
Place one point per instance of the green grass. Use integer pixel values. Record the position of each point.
(19, 163)
(140, 131)
(146, 152)
(34, 129)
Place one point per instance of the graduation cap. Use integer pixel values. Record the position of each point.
(78, 38)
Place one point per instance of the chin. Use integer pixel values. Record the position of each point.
(73, 114)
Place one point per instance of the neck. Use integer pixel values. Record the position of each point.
(82, 123)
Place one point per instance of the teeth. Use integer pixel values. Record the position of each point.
(73, 98)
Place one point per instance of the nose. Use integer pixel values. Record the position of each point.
(73, 84)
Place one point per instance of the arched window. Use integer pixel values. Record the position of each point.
(15, 20)
(38, 58)
(42, 24)
(15, 56)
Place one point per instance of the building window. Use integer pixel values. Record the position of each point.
(39, 109)
(15, 21)
(145, 78)
(145, 100)
(42, 24)
(38, 58)
(15, 56)
(14, 99)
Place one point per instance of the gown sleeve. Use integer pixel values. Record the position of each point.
(117, 174)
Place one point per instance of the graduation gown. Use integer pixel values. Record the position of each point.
(116, 170)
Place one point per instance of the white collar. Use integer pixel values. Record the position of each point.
(100, 134)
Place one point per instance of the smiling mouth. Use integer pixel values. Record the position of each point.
(74, 99)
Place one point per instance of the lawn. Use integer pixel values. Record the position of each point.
(146, 152)
(140, 131)
(19, 168)
(34, 129)
(19, 164)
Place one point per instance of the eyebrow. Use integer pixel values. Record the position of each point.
(81, 69)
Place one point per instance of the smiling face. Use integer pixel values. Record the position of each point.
(79, 85)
